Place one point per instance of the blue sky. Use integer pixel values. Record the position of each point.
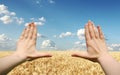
(60, 22)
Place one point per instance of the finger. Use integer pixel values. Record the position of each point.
(80, 54)
(91, 30)
(39, 55)
(87, 35)
(95, 31)
(84, 55)
(34, 36)
(101, 35)
(27, 31)
(31, 31)
(23, 34)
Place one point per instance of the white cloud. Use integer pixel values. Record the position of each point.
(3, 37)
(119, 49)
(42, 3)
(19, 20)
(8, 17)
(110, 48)
(26, 24)
(55, 36)
(12, 13)
(40, 21)
(41, 36)
(48, 44)
(3, 9)
(77, 43)
(114, 47)
(37, 2)
(79, 46)
(51, 1)
(67, 34)
(36, 23)
(81, 33)
(6, 43)
(32, 19)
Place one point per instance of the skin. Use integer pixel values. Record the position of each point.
(97, 50)
(26, 50)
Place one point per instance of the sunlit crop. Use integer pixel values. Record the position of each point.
(60, 64)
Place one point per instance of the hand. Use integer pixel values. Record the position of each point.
(95, 42)
(26, 46)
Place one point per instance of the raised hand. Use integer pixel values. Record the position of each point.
(26, 46)
(26, 49)
(95, 42)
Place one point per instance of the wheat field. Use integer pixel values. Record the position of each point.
(61, 63)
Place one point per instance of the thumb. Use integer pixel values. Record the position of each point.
(40, 55)
(84, 55)
(80, 54)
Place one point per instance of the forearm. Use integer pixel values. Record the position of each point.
(109, 65)
(9, 62)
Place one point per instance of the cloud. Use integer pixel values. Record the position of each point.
(40, 21)
(12, 13)
(51, 1)
(3, 9)
(67, 34)
(48, 44)
(8, 17)
(81, 33)
(26, 24)
(32, 19)
(55, 36)
(41, 36)
(6, 43)
(114, 47)
(110, 48)
(19, 20)
(79, 46)
(42, 3)
(37, 2)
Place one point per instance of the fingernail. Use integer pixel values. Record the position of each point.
(29, 25)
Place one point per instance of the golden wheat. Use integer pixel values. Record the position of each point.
(60, 64)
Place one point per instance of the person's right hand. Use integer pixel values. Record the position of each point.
(95, 42)
(26, 46)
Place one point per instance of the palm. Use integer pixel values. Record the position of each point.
(27, 43)
(95, 42)
(95, 46)
(29, 48)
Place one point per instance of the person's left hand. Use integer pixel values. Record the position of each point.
(95, 42)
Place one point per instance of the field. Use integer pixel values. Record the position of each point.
(60, 64)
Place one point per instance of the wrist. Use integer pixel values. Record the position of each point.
(103, 56)
(20, 56)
